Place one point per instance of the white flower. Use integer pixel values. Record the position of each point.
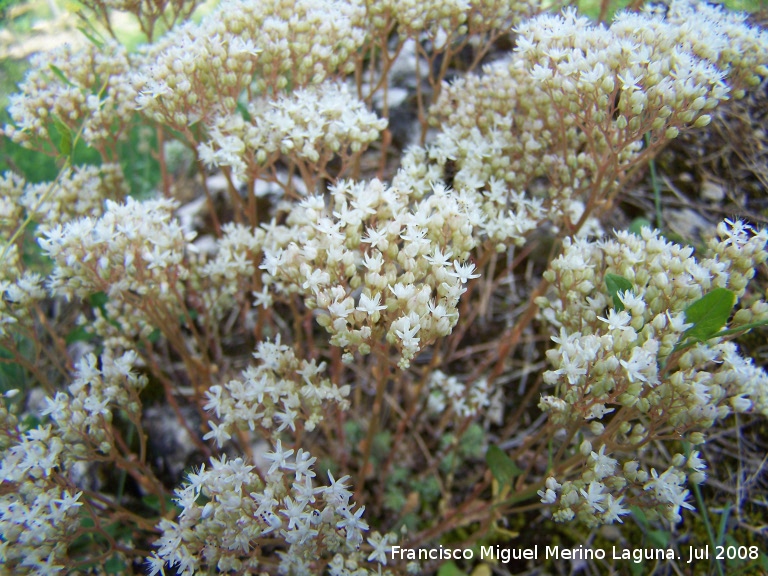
(353, 524)
(640, 365)
(337, 493)
(548, 496)
(373, 262)
(667, 488)
(629, 81)
(594, 495)
(408, 333)
(695, 462)
(376, 238)
(287, 419)
(438, 258)
(464, 271)
(597, 411)
(740, 403)
(614, 510)
(272, 261)
(572, 369)
(617, 320)
(632, 302)
(155, 564)
(294, 511)
(403, 291)
(380, 548)
(677, 322)
(603, 466)
(263, 298)
(370, 305)
(315, 279)
(279, 458)
(218, 433)
(340, 309)
(734, 232)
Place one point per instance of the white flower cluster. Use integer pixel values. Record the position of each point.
(445, 22)
(223, 280)
(135, 255)
(565, 116)
(376, 264)
(465, 400)
(229, 513)
(199, 71)
(281, 393)
(20, 290)
(76, 193)
(192, 74)
(549, 134)
(593, 497)
(83, 416)
(434, 18)
(628, 363)
(308, 126)
(11, 211)
(712, 33)
(133, 247)
(302, 42)
(84, 88)
(79, 191)
(36, 513)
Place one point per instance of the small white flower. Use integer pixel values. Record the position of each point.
(571, 369)
(408, 334)
(370, 305)
(279, 458)
(380, 548)
(548, 496)
(629, 81)
(614, 510)
(464, 272)
(603, 466)
(218, 433)
(594, 495)
(617, 320)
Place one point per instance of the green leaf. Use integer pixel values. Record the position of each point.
(659, 538)
(79, 334)
(98, 43)
(114, 565)
(639, 516)
(60, 75)
(638, 224)
(637, 568)
(243, 111)
(65, 135)
(723, 523)
(153, 502)
(502, 467)
(450, 569)
(98, 299)
(709, 313)
(616, 284)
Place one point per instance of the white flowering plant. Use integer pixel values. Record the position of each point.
(330, 336)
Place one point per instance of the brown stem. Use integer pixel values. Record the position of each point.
(168, 389)
(208, 196)
(381, 370)
(166, 178)
(409, 416)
